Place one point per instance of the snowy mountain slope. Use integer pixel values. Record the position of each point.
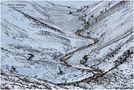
(65, 45)
(45, 54)
(101, 31)
(12, 81)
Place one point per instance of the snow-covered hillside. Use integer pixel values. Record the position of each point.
(65, 46)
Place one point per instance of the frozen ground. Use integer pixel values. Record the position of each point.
(67, 44)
